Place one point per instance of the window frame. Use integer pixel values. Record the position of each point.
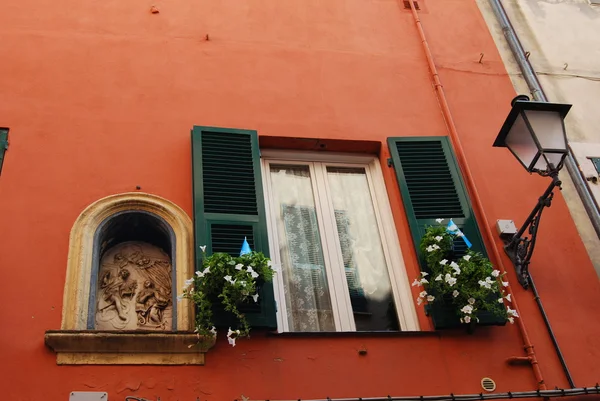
(317, 163)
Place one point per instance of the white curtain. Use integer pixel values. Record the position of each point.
(307, 296)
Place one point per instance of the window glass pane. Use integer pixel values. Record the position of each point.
(362, 250)
(306, 290)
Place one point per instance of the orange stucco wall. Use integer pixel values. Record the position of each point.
(100, 98)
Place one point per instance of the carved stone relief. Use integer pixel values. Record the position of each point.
(134, 289)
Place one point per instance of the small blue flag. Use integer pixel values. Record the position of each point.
(245, 248)
(452, 228)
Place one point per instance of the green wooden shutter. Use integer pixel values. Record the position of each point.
(3, 144)
(432, 187)
(229, 204)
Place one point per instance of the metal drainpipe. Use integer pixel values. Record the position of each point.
(588, 200)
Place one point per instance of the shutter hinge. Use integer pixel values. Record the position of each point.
(390, 162)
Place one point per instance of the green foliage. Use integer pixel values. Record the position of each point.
(469, 282)
(230, 281)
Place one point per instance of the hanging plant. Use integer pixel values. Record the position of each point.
(468, 282)
(229, 281)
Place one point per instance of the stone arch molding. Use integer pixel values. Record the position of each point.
(81, 252)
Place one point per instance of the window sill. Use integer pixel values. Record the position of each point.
(89, 347)
(352, 334)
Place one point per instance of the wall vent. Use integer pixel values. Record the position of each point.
(488, 384)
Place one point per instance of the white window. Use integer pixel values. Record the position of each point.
(331, 231)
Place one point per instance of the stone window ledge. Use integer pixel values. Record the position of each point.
(92, 347)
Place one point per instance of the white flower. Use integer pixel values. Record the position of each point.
(424, 281)
(438, 238)
(269, 263)
(419, 301)
(485, 284)
(443, 261)
(429, 248)
(180, 298)
(207, 270)
(255, 297)
(200, 274)
(450, 280)
(500, 300)
(213, 331)
(243, 283)
(496, 273)
(424, 274)
(432, 248)
(423, 294)
(255, 275)
(230, 332)
(511, 312)
(416, 283)
(239, 266)
(250, 269)
(439, 278)
(455, 293)
(467, 319)
(231, 341)
(203, 248)
(511, 320)
(430, 298)
(467, 257)
(505, 283)
(228, 278)
(439, 220)
(467, 309)
(455, 267)
(508, 298)
(471, 301)
(189, 282)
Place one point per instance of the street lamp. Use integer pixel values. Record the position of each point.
(535, 134)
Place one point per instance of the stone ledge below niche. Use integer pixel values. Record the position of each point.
(91, 347)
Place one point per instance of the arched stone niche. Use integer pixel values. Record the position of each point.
(147, 236)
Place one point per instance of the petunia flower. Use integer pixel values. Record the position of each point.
(255, 297)
(203, 248)
(430, 298)
(511, 320)
(443, 261)
(423, 294)
(505, 283)
(467, 319)
(496, 273)
(439, 278)
(180, 298)
(468, 309)
(419, 301)
(239, 266)
(508, 297)
(439, 220)
(189, 282)
(416, 283)
(467, 257)
(455, 293)
(438, 238)
(471, 301)
(500, 300)
(511, 312)
(424, 274)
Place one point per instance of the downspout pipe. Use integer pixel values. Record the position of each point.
(583, 190)
(477, 203)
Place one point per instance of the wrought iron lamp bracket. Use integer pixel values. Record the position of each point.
(519, 248)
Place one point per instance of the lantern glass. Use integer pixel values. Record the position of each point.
(548, 127)
(521, 143)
